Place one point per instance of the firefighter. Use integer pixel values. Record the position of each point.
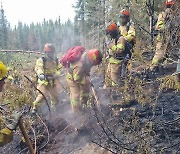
(6, 134)
(77, 78)
(48, 70)
(127, 30)
(120, 51)
(161, 27)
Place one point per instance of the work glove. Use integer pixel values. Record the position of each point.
(42, 77)
(13, 120)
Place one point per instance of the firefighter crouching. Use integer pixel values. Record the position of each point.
(48, 70)
(77, 78)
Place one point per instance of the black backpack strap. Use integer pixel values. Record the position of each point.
(128, 26)
(57, 61)
(117, 38)
(44, 62)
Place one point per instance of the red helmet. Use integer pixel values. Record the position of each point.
(49, 47)
(95, 56)
(112, 27)
(124, 13)
(170, 2)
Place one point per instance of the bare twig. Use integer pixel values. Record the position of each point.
(35, 141)
(46, 130)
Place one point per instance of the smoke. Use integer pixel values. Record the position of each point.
(77, 134)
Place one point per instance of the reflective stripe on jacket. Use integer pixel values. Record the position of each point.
(48, 68)
(128, 33)
(80, 69)
(162, 18)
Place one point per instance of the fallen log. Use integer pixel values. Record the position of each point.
(23, 51)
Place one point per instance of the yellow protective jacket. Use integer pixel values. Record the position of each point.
(161, 23)
(6, 136)
(129, 33)
(79, 70)
(116, 49)
(47, 67)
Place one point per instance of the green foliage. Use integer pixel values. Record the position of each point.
(17, 96)
(18, 91)
(34, 36)
(3, 29)
(92, 17)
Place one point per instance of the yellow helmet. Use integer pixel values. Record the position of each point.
(3, 70)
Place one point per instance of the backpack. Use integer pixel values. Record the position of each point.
(72, 55)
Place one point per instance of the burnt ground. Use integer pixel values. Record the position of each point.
(154, 125)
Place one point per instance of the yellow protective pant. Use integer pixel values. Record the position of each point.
(160, 52)
(114, 73)
(6, 136)
(52, 90)
(79, 94)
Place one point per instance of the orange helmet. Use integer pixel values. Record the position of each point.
(95, 56)
(112, 27)
(170, 2)
(124, 13)
(49, 47)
